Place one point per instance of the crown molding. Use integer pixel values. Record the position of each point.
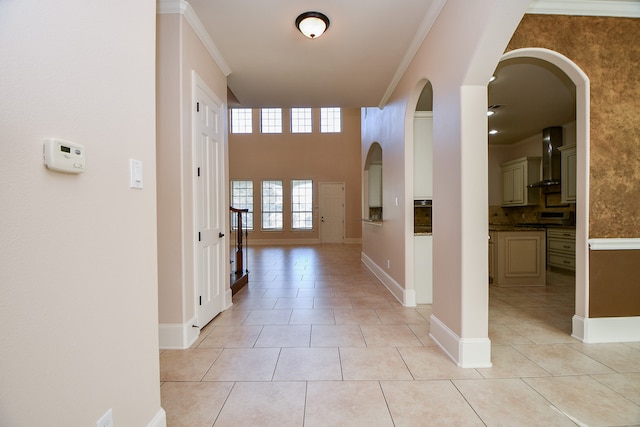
(617, 8)
(421, 34)
(183, 8)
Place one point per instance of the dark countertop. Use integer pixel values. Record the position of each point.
(503, 227)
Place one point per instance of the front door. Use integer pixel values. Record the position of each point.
(331, 212)
(208, 157)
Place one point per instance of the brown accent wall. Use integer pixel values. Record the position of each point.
(322, 157)
(614, 283)
(607, 50)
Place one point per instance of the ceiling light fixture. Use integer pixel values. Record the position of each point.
(493, 132)
(312, 24)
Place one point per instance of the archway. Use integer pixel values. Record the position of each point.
(581, 81)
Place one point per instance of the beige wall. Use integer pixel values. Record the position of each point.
(459, 74)
(78, 266)
(322, 157)
(179, 52)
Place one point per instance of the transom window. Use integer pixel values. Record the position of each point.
(271, 120)
(302, 204)
(241, 120)
(242, 198)
(330, 120)
(272, 205)
(301, 120)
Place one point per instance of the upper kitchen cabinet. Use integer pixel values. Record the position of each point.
(516, 176)
(375, 186)
(423, 155)
(568, 173)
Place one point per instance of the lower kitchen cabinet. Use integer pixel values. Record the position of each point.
(518, 258)
(561, 248)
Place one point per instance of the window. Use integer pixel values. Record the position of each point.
(301, 121)
(302, 204)
(242, 198)
(330, 120)
(271, 120)
(272, 195)
(241, 121)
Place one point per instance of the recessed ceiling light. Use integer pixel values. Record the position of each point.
(490, 113)
(492, 79)
(493, 132)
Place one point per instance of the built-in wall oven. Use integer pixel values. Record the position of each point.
(422, 216)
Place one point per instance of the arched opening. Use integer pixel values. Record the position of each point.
(568, 73)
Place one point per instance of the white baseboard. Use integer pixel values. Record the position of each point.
(465, 352)
(160, 419)
(606, 329)
(389, 282)
(176, 336)
(353, 241)
(276, 242)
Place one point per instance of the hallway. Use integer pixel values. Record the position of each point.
(316, 340)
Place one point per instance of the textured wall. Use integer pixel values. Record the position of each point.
(607, 50)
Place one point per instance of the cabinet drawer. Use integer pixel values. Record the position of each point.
(561, 234)
(568, 246)
(562, 261)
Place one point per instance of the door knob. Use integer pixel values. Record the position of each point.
(221, 235)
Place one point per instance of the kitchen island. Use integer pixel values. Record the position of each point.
(517, 256)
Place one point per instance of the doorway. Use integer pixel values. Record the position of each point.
(331, 211)
(208, 157)
(581, 103)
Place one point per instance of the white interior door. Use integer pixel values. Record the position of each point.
(209, 207)
(331, 201)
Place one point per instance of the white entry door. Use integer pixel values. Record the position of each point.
(209, 207)
(331, 201)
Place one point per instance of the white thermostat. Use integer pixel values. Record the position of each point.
(63, 156)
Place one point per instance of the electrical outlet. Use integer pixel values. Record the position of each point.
(388, 263)
(106, 420)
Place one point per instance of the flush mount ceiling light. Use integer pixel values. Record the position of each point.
(312, 24)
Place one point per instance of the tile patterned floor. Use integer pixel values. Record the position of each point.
(316, 340)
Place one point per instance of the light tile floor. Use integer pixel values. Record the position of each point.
(316, 340)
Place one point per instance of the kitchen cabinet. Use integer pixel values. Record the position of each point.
(516, 176)
(375, 186)
(423, 155)
(423, 268)
(568, 173)
(518, 258)
(561, 248)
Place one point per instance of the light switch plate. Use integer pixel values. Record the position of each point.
(135, 169)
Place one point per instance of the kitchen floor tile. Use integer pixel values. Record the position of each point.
(373, 364)
(308, 364)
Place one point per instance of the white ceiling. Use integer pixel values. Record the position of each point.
(358, 61)
(351, 65)
(530, 95)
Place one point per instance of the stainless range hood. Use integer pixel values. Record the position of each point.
(551, 141)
